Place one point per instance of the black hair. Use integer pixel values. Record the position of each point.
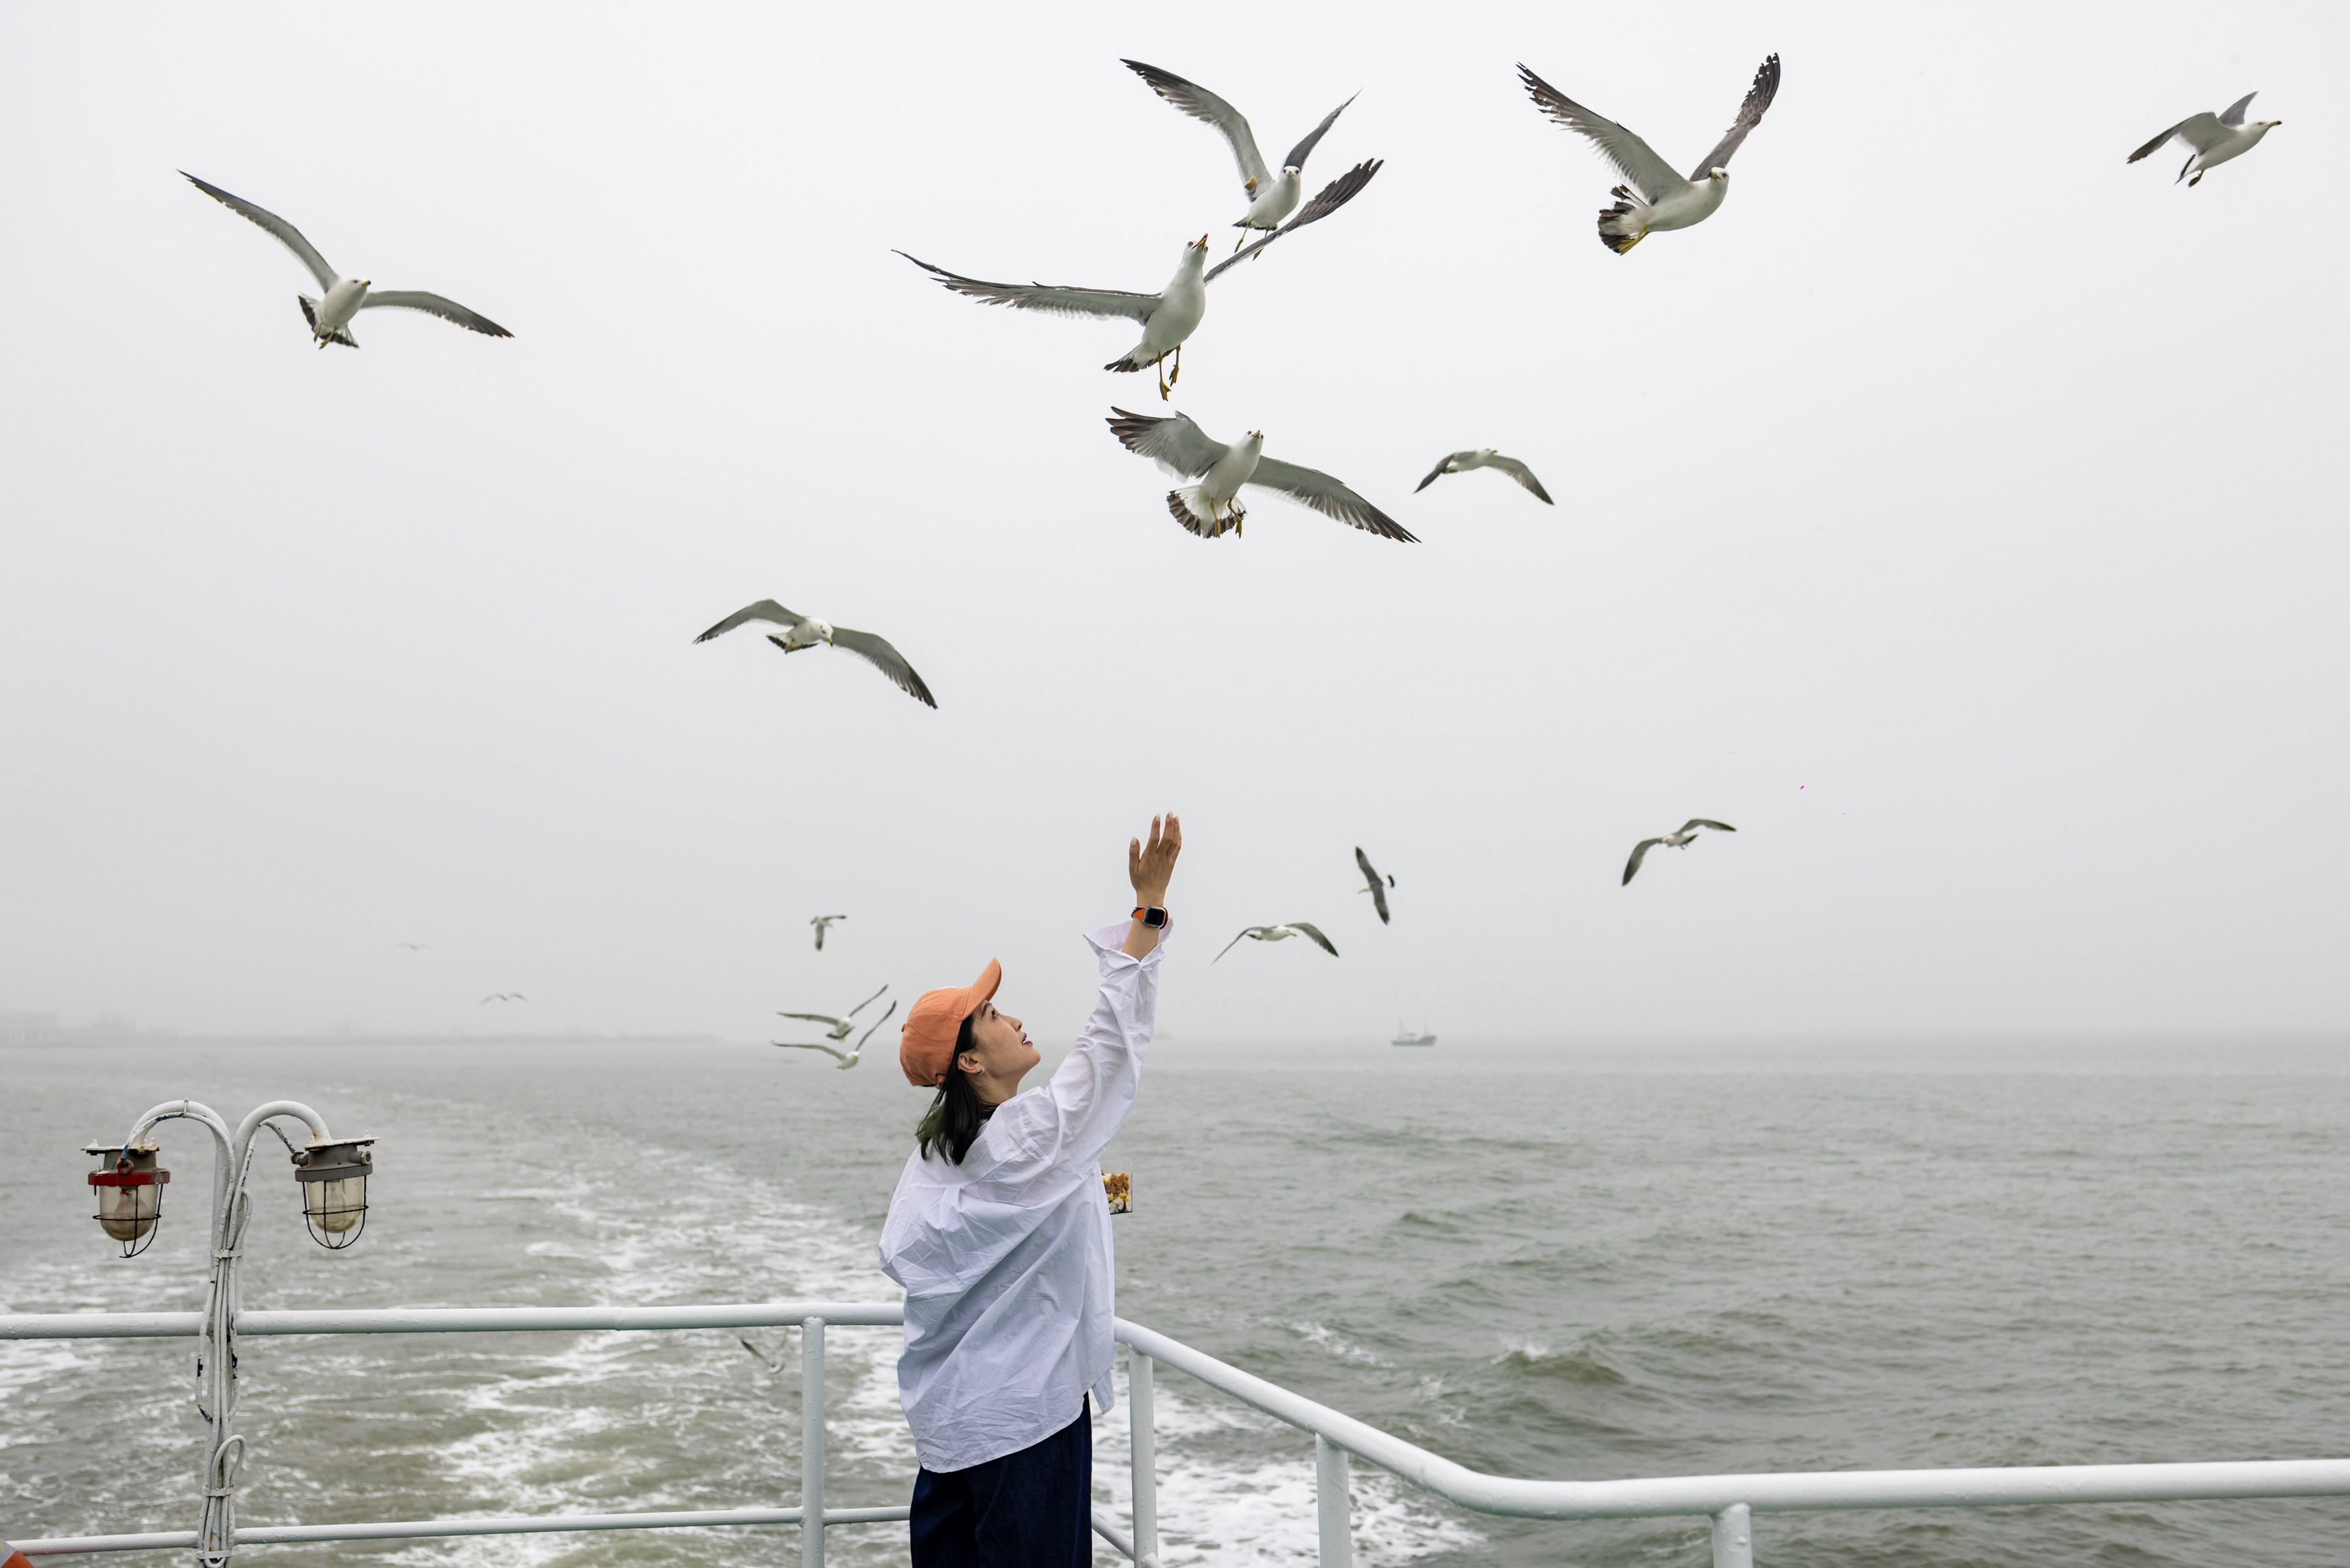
(953, 1121)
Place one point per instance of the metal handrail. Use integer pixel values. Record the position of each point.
(1729, 1500)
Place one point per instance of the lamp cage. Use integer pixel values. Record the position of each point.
(128, 1186)
(334, 1190)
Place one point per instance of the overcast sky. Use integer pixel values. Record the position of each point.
(1958, 513)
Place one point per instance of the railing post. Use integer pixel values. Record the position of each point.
(812, 1443)
(1332, 1504)
(1733, 1537)
(1143, 1450)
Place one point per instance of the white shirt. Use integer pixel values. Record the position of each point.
(1006, 1258)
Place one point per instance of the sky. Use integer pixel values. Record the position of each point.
(1957, 512)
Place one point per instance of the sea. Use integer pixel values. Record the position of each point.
(1585, 1260)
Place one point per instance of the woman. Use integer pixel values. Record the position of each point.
(1000, 1232)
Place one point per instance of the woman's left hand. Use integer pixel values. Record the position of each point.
(1149, 866)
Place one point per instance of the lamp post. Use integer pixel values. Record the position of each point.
(332, 1176)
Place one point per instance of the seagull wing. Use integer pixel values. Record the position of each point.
(1173, 442)
(805, 1046)
(2234, 113)
(765, 609)
(1312, 933)
(1045, 297)
(1750, 115)
(1632, 157)
(1201, 104)
(1312, 487)
(287, 235)
(876, 651)
(814, 1018)
(1245, 931)
(1379, 889)
(2197, 130)
(876, 1023)
(1524, 475)
(1333, 196)
(1707, 822)
(1304, 149)
(867, 1002)
(433, 305)
(1640, 853)
(1437, 472)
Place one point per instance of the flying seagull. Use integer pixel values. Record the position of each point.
(1170, 316)
(501, 996)
(330, 317)
(1281, 933)
(1486, 457)
(847, 1059)
(2216, 138)
(1206, 508)
(1378, 885)
(807, 631)
(412, 947)
(839, 1027)
(1272, 197)
(1655, 197)
(1680, 840)
(821, 924)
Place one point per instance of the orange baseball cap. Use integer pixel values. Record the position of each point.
(927, 1041)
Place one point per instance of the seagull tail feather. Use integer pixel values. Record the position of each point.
(1188, 510)
(310, 314)
(1136, 360)
(1620, 227)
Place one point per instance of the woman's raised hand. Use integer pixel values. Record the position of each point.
(1149, 864)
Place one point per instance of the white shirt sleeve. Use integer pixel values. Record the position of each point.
(1037, 1143)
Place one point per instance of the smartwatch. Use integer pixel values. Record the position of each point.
(1152, 916)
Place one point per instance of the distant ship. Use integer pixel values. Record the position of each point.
(1405, 1037)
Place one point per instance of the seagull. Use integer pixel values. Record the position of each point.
(763, 1359)
(412, 947)
(820, 923)
(1378, 885)
(1671, 840)
(1486, 457)
(501, 996)
(1271, 197)
(2215, 137)
(807, 631)
(330, 317)
(1170, 316)
(1206, 508)
(847, 1059)
(839, 1026)
(1281, 933)
(1656, 198)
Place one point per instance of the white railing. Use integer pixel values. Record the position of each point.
(1728, 1500)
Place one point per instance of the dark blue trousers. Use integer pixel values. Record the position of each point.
(1029, 1509)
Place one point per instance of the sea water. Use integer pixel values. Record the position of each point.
(1578, 1261)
